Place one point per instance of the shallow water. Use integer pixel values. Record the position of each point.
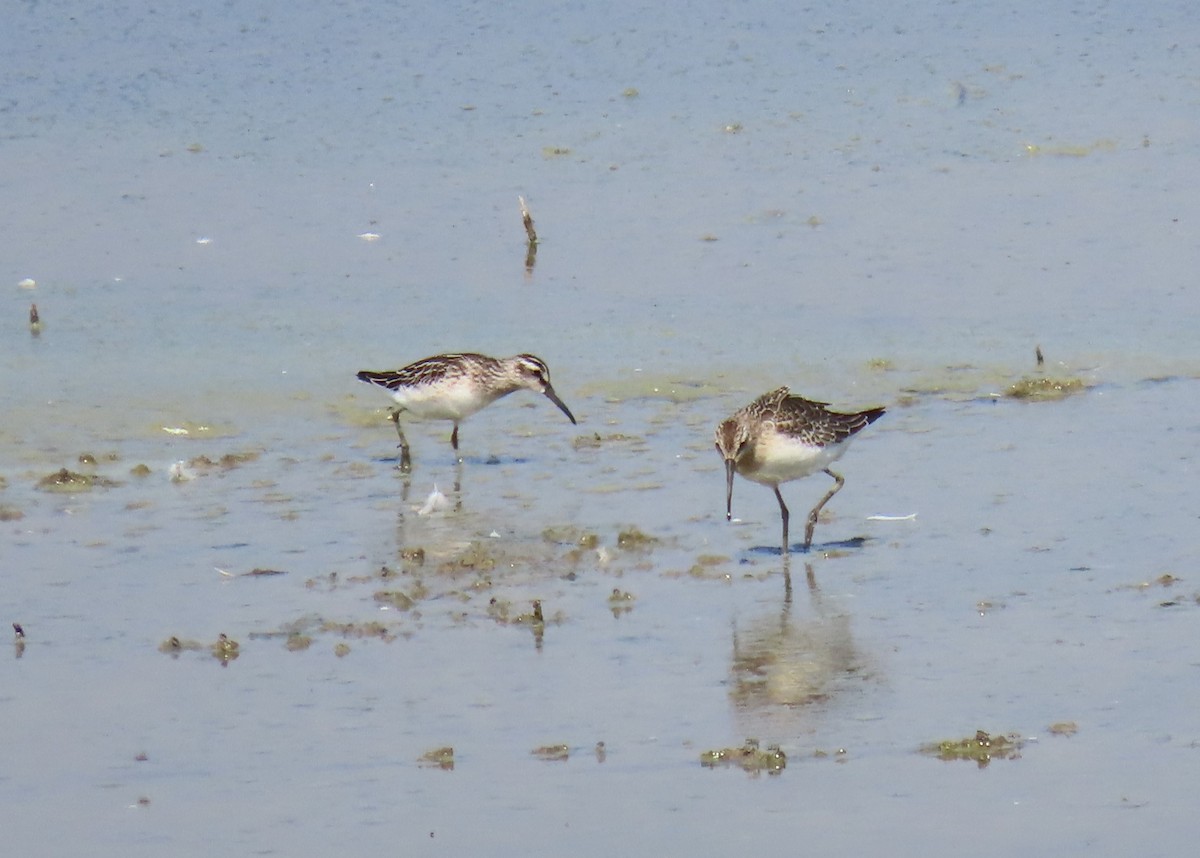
(875, 204)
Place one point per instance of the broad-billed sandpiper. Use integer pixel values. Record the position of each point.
(455, 386)
(780, 437)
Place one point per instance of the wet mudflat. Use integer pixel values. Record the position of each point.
(370, 636)
(568, 647)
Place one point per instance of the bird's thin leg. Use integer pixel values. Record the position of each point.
(405, 458)
(812, 516)
(783, 512)
(454, 438)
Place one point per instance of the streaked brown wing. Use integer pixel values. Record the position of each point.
(816, 424)
(425, 371)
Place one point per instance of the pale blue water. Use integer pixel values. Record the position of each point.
(935, 185)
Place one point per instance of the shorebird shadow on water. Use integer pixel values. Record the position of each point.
(817, 548)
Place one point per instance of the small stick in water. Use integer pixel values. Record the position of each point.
(527, 219)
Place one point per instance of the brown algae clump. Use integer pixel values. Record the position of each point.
(1044, 388)
(982, 748)
(750, 758)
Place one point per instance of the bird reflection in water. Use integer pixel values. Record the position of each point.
(786, 669)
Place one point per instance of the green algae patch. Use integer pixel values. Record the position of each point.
(1044, 388)
(648, 386)
(750, 758)
(502, 611)
(552, 753)
(1070, 150)
(413, 555)
(438, 758)
(569, 534)
(224, 650)
(620, 602)
(176, 645)
(595, 440)
(1164, 580)
(633, 539)
(226, 463)
(369, 629)
(395, 598)
(476, 556)
(298, 642)
(711, 567)
(981, 748)
(69, 482)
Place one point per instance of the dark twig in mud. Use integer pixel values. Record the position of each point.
(527, 219)
(531, 245)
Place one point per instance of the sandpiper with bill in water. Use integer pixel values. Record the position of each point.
(455, 386)
(780, 437)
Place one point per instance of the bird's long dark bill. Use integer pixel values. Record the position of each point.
(553, 397)
(729, 469)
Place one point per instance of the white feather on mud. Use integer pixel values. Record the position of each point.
(436, 502)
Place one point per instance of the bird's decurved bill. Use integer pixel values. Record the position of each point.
(553, 397)
(729, 469)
